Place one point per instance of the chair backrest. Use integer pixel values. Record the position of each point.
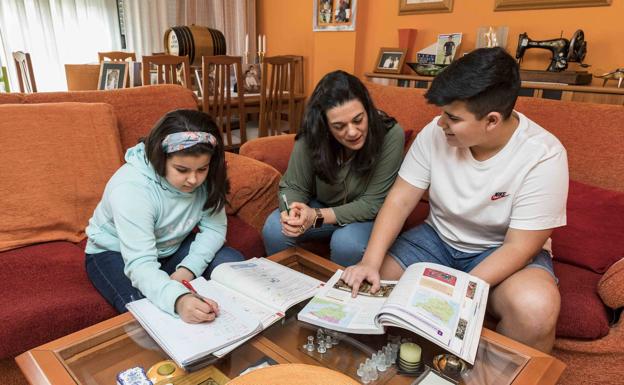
(116, 56)
(25, 74)
(298, 73)
(218, 101)
(277, 95)
(169, 69)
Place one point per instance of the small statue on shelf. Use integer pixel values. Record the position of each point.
(617, 74)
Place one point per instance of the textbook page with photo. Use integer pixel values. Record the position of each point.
(251, 294)
(439, 303)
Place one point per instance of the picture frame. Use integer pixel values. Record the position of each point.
(514, 5)
(390, 60)
(334, 15)
(113, 75)
(410, 7)
(446, 47)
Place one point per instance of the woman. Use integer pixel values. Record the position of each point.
(346, 157)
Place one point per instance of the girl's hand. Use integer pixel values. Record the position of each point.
(195, 310)
(182, 274)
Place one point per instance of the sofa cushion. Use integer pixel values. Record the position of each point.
(582, 315)
(46, 294)
(56, 160)
(244, 238)
(593, 237)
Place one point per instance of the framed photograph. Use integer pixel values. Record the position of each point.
(390, 60)
(447, 46)
(113, 75)
(334, 15)
(409, 7)
(513, 5)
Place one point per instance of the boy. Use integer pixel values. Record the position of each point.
(498, 186)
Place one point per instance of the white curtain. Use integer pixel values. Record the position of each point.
(55, 33)
(146, 23)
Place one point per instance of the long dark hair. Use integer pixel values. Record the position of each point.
(335, 89)
(217, 184)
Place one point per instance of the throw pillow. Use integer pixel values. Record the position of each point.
(593, 237)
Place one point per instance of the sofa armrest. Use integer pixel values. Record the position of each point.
(253, 189)
(273, 150)
(611, 286)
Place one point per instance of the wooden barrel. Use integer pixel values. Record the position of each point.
(194, 41)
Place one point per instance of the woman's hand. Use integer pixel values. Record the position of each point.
(194, 310)
(356, 274)
(300, 219)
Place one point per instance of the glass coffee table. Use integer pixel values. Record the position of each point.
(95, 355)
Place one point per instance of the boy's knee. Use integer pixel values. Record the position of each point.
(535, 311)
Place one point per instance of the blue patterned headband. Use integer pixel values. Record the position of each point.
(181, 140)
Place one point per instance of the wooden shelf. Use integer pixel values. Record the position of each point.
(564, 92)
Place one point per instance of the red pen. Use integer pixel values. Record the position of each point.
(188, 285)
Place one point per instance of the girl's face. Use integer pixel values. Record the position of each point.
(187, 172)
(348, 123)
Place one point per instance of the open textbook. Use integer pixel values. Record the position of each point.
(441, 304)
(251, 294)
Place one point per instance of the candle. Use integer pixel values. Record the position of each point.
(410, 352)
(259, 43)
(263, 43)
(246, 44)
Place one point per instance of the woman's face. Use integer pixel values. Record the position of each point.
(348, 123)
(187, 172)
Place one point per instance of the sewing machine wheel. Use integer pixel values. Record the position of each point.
(578, 47)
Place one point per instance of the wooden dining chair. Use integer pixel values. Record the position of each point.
(25, 74)
(299, 88)
(277, 96)
(169, 69)
(227, 110)
(116, 56)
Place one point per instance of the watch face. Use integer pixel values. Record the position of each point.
(174, 47)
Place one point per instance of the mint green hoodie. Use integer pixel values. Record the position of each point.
(145, 218)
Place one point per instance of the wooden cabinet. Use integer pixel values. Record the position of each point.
(588, 94)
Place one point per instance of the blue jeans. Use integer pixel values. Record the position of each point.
(346, 243)
(106, 271)
(422, 244)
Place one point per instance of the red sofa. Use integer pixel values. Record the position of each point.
(59, 149)
(588, 252)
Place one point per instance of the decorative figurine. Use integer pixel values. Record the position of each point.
(449, 365)
(617, 74)
(164, 370)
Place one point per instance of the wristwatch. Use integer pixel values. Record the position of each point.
(318, 221)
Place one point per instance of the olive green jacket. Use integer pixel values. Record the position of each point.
(353, 198)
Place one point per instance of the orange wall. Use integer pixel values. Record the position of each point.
(288, 26)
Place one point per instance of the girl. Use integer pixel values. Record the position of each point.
(346, 157)
(141, 241)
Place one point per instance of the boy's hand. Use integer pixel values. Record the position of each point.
(195, 310)
(356, 274)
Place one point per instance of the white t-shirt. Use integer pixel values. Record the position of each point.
(472, 203)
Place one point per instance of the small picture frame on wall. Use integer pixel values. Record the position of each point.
(113, 75)
(513, 5)
(390, 60)
(334, 15)
(410, 7)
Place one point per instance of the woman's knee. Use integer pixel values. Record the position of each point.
(346, 248)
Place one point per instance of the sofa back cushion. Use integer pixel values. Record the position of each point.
(56, 159)
(594, 235)
(137, 109)
(591, 133)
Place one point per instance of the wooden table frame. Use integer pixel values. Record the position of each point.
(45, 365)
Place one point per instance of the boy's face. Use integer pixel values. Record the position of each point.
(461, 127)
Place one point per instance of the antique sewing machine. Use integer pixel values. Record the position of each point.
(563, 50)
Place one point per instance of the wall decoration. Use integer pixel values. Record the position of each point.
(113, 75)
(492, 36)
(513, 5)
(408, 7)
(390, 60)
(334, 15)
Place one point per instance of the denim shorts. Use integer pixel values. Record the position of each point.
(422, 244)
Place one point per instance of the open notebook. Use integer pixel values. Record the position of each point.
(251, 294)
